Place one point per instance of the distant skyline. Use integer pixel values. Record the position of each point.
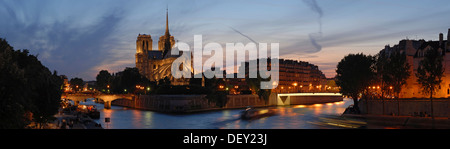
(80, 38)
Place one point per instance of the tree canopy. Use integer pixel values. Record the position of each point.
(393, 71)
(28, 90)
(430, 72)
(354, 74)
(76, 84)
(104, 79)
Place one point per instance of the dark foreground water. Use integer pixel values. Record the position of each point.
(289, 117)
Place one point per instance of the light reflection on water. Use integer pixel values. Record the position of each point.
(288, 117)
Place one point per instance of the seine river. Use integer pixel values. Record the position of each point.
(315, 116)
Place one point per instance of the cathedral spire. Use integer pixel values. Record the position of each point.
(167, 21)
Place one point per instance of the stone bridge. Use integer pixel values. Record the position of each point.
(106, 98)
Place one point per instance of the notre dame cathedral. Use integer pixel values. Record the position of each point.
(156, 64)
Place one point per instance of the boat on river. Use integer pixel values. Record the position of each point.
(90, 110)
(252, 113)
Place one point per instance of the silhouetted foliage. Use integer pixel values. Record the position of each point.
(195, 81)
(429, 75)
(76, 84)
(181, 90)
(392, 70)
(430, 72)
(215, 94)
(28, 90)
(127, 80)
(246, 92)
(104, 79)
(355, 73)
(255, 84)
(165, 81)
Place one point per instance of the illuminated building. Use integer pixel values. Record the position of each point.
(156, 64)
(296, 76)
(415, 51)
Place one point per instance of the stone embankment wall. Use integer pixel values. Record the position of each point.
(187, 103)
(195, 103)
(406, 107)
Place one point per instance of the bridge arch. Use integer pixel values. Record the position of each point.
(106, 98)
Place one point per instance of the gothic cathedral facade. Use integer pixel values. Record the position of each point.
(156, 64)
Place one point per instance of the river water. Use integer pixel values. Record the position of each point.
(315, 116)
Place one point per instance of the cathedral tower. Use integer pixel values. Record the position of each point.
(143, 46)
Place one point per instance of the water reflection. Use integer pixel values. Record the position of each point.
(289, 117)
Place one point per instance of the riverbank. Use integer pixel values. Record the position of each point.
(406, 107)
(401, 122)
(199, 103)
(188, 103)
(68, 119)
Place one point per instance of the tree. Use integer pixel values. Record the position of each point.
(195, 81)
(429, 74)
(76, 84)
(355, 73)
(215, 94)
(255, 84)
(12, 85)
(104, 79)
(396, 72)
(27, 89)
(165, 81)
(127, 80)
(393, 72)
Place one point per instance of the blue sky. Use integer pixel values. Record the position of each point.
(79, 38)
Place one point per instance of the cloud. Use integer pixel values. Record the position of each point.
(313, 37)
(64, 45)
(314, 7)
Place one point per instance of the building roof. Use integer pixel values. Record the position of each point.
(432, 44)
(155, 55)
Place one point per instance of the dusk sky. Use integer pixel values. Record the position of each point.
(78, 38)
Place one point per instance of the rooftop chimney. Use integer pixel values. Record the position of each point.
(448, 35)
